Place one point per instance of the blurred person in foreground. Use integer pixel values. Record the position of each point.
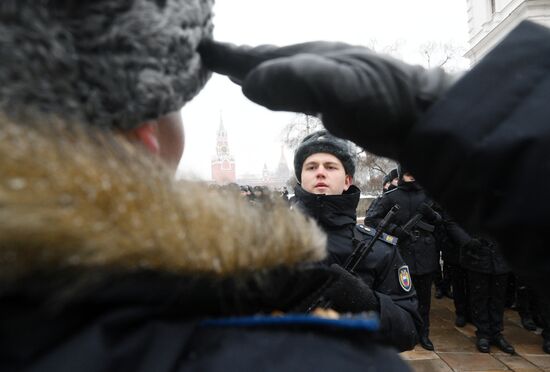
(108, 264)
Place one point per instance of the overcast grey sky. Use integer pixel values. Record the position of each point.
(254, 132)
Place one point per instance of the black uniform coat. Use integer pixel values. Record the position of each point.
(336, 214)
(421, 255)
(370, 209)
(491, 138)
(110, 265)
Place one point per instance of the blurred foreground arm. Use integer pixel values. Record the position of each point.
(369, 98)
(481, 147)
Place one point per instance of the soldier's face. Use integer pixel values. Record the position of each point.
(407, 177)
(324, 173)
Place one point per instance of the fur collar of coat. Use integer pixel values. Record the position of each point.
(74, 198)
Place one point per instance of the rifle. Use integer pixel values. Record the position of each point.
(358, 254)
(415, 220)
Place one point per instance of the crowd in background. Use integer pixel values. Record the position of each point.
(255, 194)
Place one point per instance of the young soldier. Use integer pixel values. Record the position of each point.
(417, 246)
(389, 183)
(324, 168)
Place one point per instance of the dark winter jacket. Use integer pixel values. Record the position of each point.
(110, 265)
(421, 253)
(336, 214)
(491, 138)
(370, 209)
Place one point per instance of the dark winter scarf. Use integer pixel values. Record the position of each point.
(330, 211)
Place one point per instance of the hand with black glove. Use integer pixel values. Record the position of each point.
(368, 98)
(401, 233)
(429, 214)
(349, 294)
(470, 251)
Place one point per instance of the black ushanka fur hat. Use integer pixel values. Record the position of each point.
(109, 63)
(390, 176)
(323, 141)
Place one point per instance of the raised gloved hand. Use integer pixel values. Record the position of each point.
(429, 213)
(368, 98)
(348, 293)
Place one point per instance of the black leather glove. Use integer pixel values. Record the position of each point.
(429, 214)
(348, 293)
(470, 251)
(401, 234)
(368, 98)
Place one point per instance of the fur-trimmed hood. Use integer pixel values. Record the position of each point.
(72, 197)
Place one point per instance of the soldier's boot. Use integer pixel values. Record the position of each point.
(483, 345)
(528, 323)
(426, 343)
(503, 345)
(460, 321)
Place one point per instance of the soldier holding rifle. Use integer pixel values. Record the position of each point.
(325, 167)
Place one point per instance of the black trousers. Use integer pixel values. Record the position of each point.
(544, 312)
(423, 286)
(534, 306)
(526, 300)
(487, 298)
(442, 278)
(459, 282)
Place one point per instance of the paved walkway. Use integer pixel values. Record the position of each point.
(456, 350)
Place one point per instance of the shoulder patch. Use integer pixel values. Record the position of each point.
(371, 231)
(404, 278)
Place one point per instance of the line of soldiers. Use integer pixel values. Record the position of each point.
(476, 269)
(416, 244)
(480, 279)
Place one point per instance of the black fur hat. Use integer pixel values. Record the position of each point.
(323, 141)
(109, 63)
(391, 175)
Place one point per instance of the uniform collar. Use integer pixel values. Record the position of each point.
(330, 211)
